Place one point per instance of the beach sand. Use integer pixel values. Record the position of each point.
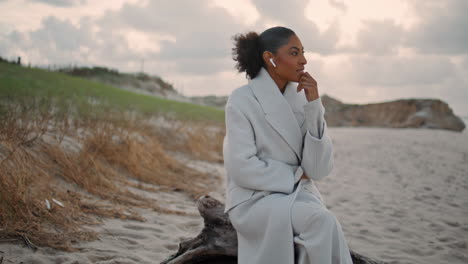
(401, 196)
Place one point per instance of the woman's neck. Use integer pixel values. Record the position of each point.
(280, 82)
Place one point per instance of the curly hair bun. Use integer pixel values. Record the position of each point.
(247, 53)
(248, 48)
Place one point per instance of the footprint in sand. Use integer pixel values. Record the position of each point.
(451, 223)
(159, 223)
(143, 228)
(398, 213)
(162, 237)
(119, 233)
(134, 227)
(171, 246)
(31, 260)
(102, 255)
(444, 239)
(364, 231)
(458, 245)
(436, 227)
(394, 229)
(130, 241)
(193, 223)
(343, 200)
(181, 206)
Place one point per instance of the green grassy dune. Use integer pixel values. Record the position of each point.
(85, 97)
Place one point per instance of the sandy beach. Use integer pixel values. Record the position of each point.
(401, 196)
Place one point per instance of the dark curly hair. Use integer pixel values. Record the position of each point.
(248, 48)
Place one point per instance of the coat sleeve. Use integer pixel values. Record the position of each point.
(242, 164)
(317, 154)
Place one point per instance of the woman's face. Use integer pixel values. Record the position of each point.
(290, 60)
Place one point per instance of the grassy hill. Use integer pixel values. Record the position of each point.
(18, 82)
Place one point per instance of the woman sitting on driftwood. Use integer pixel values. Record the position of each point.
(276, 145)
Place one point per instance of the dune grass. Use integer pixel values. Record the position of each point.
(56, 143)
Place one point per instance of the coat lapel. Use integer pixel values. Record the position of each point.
(296, 101)
(278, 109)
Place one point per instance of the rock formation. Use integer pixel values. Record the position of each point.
(403, 113)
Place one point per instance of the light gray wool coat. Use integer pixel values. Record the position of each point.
(271, 139)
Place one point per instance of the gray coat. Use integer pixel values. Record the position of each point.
(271, 139)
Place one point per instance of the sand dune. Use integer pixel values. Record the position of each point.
(401, 196)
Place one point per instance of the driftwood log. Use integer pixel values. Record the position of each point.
(217, 242)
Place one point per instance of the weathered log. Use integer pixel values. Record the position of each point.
(217, 242)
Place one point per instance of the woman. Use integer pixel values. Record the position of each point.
(276, 144)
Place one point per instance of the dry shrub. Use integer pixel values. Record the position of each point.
(141, 155)
(200, 140)
(206, 142)
(21, 125)
(33, 169)
(25, 184)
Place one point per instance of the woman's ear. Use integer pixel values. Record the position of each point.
(268, 58)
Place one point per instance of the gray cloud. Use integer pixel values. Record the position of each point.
(291, 11)
(60, 42)
(61, 3)
(338, 5)
(456, 93)
(465, 62)
(291, 14)
(399, 71)
(364, 79)
(202, 32)
(202, 36)
(377, 38)
(61, 35)
(443, 27)
(202, 67)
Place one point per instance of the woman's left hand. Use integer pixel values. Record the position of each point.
(309, 84)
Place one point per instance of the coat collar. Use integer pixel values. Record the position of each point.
(279, 108)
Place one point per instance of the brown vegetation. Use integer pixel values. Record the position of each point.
(87, 166)
(203, 141)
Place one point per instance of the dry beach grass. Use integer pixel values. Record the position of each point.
(86, 165)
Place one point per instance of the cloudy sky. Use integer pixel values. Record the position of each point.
(359, 51)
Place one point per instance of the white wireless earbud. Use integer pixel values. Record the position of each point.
(272, 62)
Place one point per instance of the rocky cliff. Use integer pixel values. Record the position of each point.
(404, 113)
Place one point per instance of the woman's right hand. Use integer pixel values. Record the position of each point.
(309, 85)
